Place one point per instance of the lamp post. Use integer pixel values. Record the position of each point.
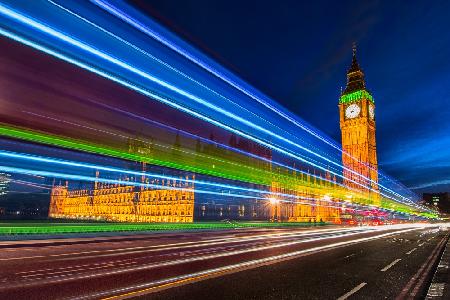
(275, 210)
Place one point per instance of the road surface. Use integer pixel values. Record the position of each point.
(382, 262)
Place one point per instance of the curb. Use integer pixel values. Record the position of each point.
(439, 288)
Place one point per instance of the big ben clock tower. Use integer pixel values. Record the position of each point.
(357, 122)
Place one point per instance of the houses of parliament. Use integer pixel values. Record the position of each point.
(176, 200)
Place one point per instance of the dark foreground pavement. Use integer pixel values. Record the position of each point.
(327, 263)
(386, 268)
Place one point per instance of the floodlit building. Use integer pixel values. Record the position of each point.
(309, 202)
(172, 202)
(357, 122)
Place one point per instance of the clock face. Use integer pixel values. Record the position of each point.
(352, 111)
(371, 112)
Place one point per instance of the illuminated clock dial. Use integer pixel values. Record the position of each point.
(371, 112)
(352, 111)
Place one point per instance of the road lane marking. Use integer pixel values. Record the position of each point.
(76, 266)
(75, 270)
(233, 268)
(256, 247)
(411, 251)
(217, 241)
(209, 256)
(420, 245)
(354, 290)
(409, 291)
(390, 265)
(353, 254)
(160, 284)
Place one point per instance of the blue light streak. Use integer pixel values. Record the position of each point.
(152, 95)
(55, 33)
(266, 194)
(148, 185)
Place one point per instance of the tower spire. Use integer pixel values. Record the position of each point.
(355, 76)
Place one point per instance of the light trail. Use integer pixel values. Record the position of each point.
(155, 186)
(190, 152)
(274, 258)
(105, 56)
(196, 244)
(55, 33)
(147, 93)
(159, 61)
(153, 34)
(104, 74)
(145, 29)
(258, 193)
(87, 148)
(31, 184)
(267, 194)
(173, 69)
(123, 16)
(124, 171)
(231, 267)
(221, 145)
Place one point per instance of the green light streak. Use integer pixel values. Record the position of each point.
(47, 139)
(250, 171)
(67, 228)
(356, 96)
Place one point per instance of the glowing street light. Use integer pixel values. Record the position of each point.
(273, 201)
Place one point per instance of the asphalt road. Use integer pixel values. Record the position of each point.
(320, 263)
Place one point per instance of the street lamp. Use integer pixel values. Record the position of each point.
(274, 209)
(273, 201)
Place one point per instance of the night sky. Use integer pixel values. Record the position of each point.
(298, 52)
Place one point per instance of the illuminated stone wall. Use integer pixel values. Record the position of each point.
(358, 127)
(321, 207)
(314, 202)
(124, 203)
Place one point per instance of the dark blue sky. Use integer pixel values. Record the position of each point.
(298, 53)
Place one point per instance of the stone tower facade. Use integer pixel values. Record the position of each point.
(357, 122)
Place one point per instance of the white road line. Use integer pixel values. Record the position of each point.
(357, 288)
(182, 279)
(73, 270)
(409, 252)
(227, 268)
(420, 245)
(76, 266)
(390, 265)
